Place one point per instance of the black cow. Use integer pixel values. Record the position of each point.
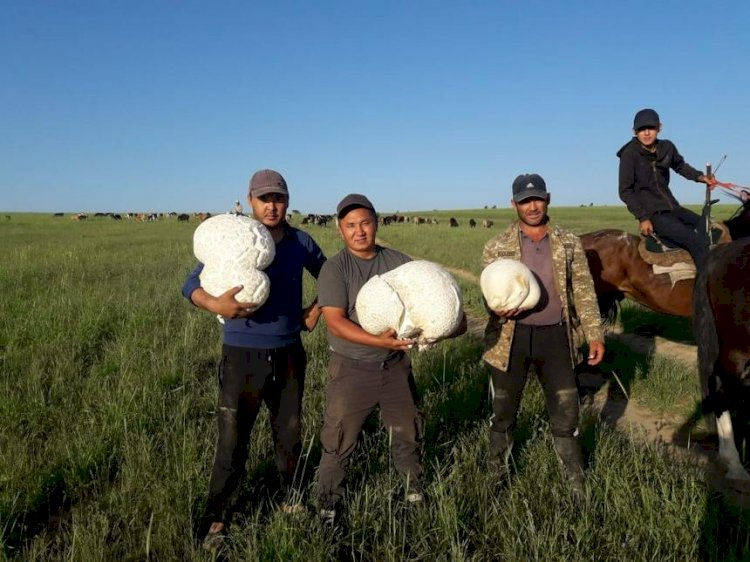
(472, 223)
(183, 217)
(453, 222)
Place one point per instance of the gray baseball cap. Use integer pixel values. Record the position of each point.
(353, 201)
(267, 181)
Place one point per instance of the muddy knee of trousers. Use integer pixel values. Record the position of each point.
(227, 412)
(564, 413)
(409, 430)
(289, 427)
(227, 418)
(331, 436)
(403, 434)
(503, 411)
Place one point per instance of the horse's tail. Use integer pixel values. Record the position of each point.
(704, 330)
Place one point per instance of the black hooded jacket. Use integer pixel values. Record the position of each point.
(644, 177)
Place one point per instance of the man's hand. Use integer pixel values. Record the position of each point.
(229, 307)
(509, 313)
(596, 353)
(710, 181)
(646, 227)
(390, 341)
(310, 316)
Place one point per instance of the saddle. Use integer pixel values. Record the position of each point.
(656, 251)
(667, 257)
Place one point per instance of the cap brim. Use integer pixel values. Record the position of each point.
(260, 191)
(529, 194)
(351, 207)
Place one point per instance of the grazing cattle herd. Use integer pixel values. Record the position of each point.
(309, 219)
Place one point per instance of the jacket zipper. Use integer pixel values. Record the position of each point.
(659, 191)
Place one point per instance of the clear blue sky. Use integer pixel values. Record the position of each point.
(160, 106)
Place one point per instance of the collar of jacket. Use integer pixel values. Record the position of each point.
(645, 151)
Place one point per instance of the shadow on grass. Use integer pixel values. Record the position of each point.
(644, 322)
(619, 369)
(51, 509)
(725, 530)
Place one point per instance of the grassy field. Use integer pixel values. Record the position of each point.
(107, 426)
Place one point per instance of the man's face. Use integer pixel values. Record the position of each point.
(358, 228)
(270, 209)
(647, 135)
(532, 211)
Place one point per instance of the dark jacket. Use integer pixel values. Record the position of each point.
(644, 177)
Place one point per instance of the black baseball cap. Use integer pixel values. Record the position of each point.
(646, 118)
(529, 185)
(353, 201)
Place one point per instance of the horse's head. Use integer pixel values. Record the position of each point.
(739, 223)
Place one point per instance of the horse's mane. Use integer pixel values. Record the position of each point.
(744, 204)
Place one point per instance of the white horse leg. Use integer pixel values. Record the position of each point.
(728, 454)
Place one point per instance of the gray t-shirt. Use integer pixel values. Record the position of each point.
(339, 282)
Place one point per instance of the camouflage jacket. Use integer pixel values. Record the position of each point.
(574, 285)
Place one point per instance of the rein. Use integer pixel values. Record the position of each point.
(732, 188)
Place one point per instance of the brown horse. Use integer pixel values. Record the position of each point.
(619, 271)
(721, 326)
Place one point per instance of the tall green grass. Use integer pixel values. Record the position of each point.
(107, 433)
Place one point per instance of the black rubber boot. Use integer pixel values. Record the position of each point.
(569, 451)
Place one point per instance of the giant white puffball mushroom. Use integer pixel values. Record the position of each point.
(418, 299)
(509, 285)
(234, 249)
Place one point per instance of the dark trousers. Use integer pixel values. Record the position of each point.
(678, 227)
(545, 348)
(354, 390)
(249, 377)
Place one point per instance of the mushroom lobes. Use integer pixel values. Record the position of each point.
(378, 307)
(429, 302)
(508, 285)
(233, 250)
(534, 293)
